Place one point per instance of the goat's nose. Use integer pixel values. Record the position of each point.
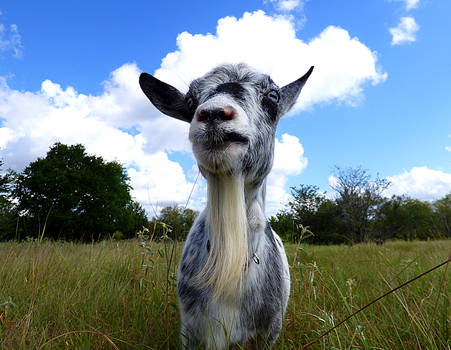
(212, 114)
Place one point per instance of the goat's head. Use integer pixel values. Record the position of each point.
(233, 111)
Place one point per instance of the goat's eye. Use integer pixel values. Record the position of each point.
(190, 102)
(273, 95)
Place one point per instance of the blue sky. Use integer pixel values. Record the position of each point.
(380, 95)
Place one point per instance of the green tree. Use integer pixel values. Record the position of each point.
(305, 202)
(442, 208)
(358, 199)
(406, 218)
(135, 219)
(329, 225)
(178, 219)
(286, 226)
(8, 213)
(313, 210)
(73, 195)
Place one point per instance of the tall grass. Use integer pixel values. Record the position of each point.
(59, 295)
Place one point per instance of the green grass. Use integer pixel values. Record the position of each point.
(100, 296)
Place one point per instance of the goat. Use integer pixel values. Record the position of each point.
(233, 280)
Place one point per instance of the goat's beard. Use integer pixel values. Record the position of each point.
(227, 221)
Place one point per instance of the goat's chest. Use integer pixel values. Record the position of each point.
(261, 294)
(253, 309)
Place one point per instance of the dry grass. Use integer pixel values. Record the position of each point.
(100, 296)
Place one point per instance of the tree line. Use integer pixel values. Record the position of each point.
(358, 212)
(72, 195)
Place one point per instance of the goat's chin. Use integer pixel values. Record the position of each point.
(222, 158)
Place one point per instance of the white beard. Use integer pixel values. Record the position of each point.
(227, 220)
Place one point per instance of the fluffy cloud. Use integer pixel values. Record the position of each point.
(405, 31)
(54, 113)
(10, 40)
(270, 45)
(121, 124)
(421, 183)
(288, 160)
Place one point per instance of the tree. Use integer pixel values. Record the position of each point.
(358, 199)
(7, 210)
(301, 210)
(178, 219)
(328, 224)
(73, 195)
(313, 210)
(134, 220)
(286, 226)
(406, 218)
(442, 208)
(306, 200)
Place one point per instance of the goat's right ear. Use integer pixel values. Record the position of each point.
(165, 97)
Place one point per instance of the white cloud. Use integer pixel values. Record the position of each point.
(289, 156)
(288, 160)
(332, 181)
(287, 5)
(270, 45)
(405, 32)
(410, 4)
(32, 121)
(10, 40)
(6, 135)
(421, 183)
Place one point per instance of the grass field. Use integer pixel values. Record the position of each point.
(122, 295)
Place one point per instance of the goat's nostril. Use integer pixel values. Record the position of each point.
(219, 114)
(228, 113)
(202, 115)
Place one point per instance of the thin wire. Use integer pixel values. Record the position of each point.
(192, 189)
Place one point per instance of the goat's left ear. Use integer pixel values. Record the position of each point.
(165, 97)
(290, 93)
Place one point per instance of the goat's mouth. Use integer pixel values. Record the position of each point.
(220, 141)
(219, 150)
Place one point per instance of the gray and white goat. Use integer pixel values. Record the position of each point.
(233, 279)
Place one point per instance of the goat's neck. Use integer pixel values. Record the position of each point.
(255, 205)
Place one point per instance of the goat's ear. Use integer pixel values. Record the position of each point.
(290, 93)
(165, 97)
